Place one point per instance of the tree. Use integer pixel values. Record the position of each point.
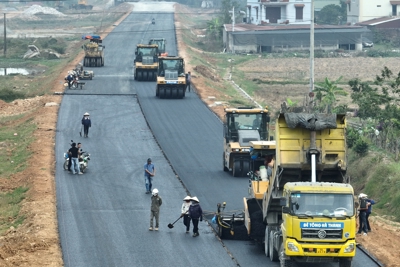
(226, 7)
(380, 102)
(214, 29)
(326, 94)
(332, 14)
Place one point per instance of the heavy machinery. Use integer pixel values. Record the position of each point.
(171, 78)
(161, 45)
(146, 62)
(82, 4)
(300, 207)
(242, 125)
(94, 51)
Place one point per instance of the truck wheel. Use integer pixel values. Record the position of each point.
(246, 168)
(266, 241)
(273, 254)
(344, 263)
(224, 163)
(236, 169)
(284, 262)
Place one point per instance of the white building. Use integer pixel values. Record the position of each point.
(363, 10)
(263, 12)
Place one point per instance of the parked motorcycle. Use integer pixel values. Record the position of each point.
(84, 161)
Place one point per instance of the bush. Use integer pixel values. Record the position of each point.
(361, 147)
(58, 49)
(352, 136)
(10, 95)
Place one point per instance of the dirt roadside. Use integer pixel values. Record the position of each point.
(36, 243)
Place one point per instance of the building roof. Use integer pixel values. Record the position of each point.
(252, 27)
(245, 28)
(377, 21)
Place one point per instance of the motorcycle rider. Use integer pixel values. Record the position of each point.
(69, 159)
(69, 79)
(73, 153)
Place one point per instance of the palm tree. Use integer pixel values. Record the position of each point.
(214, 29)
(326, 93)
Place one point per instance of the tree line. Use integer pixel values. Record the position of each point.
(378, 110)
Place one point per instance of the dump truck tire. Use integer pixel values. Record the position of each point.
(273, 254)
(344, 263)
(266, 241)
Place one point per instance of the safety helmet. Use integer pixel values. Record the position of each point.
(86, 114)
(155, 191)
(362, 195)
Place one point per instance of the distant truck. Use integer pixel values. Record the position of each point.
(94, 51)
(242, 125)
(146, 62)
(81, 4)
(161, 45)
(300, 207)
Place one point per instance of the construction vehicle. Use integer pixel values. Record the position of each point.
(161, 45)
(300, 207)
(146, 62)
(171, 77)
(242, 125)
(94, 51)
(81, 4)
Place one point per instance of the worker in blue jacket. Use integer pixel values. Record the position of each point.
(371, 202)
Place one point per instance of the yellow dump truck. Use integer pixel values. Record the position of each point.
(300, 207)
(171, 77)
(242, 125)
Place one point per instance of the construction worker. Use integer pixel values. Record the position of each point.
(156, 202)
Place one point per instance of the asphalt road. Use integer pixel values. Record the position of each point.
(103, 215)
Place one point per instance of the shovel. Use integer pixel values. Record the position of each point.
(171, 225)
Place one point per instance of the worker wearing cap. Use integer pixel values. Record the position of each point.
(363, 208)
(156, 202)
(87, 123)
(149, 172)
(185, 212)
(196, 214)
(369, 211)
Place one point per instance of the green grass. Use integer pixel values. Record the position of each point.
(14, 153)
(378, 176)
(10, 208)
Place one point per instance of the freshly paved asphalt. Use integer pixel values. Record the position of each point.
(103, 215)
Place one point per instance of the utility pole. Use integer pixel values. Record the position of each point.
(312, 48)
(5, 37)
(233, 29)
